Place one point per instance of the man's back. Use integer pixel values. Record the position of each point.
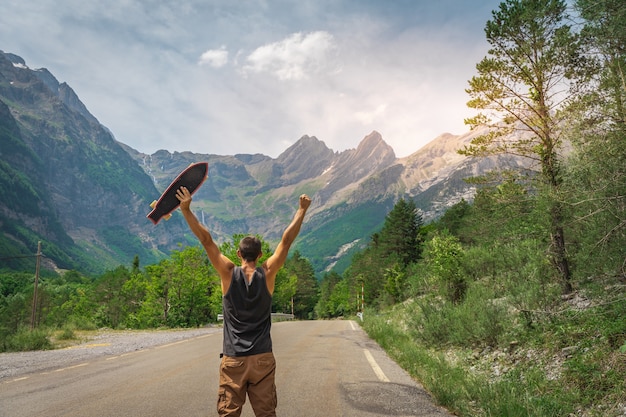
(247, 314)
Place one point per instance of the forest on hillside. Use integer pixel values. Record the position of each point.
(510, 304)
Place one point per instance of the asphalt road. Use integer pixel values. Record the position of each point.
(324, 368)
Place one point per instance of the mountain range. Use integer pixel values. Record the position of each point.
(69, 183)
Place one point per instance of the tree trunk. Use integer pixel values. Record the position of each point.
(558, 251)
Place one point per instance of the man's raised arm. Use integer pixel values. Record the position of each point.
(221, 263)
(277, 260)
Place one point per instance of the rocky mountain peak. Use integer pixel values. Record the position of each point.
(306, 146)
(26, 76)
(14, 59)
(307, 158)
(372, 153)
(353, 166)
(374, 147)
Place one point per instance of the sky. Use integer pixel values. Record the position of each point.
(253, 76)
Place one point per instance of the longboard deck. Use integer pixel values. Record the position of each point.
(192, 177)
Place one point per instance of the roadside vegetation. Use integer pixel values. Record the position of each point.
(515, 303)
(182, 291)
(512, 304)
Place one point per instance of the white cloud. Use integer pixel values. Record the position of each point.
(215, 58)
(293, 58)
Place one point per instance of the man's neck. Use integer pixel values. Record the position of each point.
(248, 268)
(248, 264)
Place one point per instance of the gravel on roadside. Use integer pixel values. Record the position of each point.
(102, 343)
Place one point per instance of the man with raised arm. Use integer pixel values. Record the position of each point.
(248, 365)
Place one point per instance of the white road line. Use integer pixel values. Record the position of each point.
(352, 325)
(379, 372)
(126, 354)
(71, 367)
(172, 344)
(16, 380)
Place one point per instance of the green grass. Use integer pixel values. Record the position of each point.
(570, 363)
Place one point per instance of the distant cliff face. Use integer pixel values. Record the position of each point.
(86, 195)
(77, 183)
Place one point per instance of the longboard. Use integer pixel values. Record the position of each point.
(192, 177)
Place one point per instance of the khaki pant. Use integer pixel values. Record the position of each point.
(253, 375)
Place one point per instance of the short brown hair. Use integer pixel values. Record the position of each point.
(250, 248)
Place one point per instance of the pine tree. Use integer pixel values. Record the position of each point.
(400, 236)
(529, 75)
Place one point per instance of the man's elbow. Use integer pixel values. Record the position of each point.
(287, 241)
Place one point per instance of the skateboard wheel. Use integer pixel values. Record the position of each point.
(169, 216)
(153, 204)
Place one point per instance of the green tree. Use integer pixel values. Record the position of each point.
(181, 291)
(15, 312)
(445, 259)
(367, 271)
(381, 266)
(331, 301)
(135, 291)
(604, 34)
(529, 74)
(400, 236)
(154, 310)
(79, 308)
(452, 219)
(306, 296)
(395, 279)
(505, 212)
(341, 300)
(109, 297)
(285, 290)
(597, 172)
(16, 300)
(190, 287)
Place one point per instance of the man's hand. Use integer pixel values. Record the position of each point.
(184, 196)
(305, 201)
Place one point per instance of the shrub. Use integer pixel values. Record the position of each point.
(26, 339)
(480, 319)
(67, 333)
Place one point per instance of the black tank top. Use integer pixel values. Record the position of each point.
(247, 315)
